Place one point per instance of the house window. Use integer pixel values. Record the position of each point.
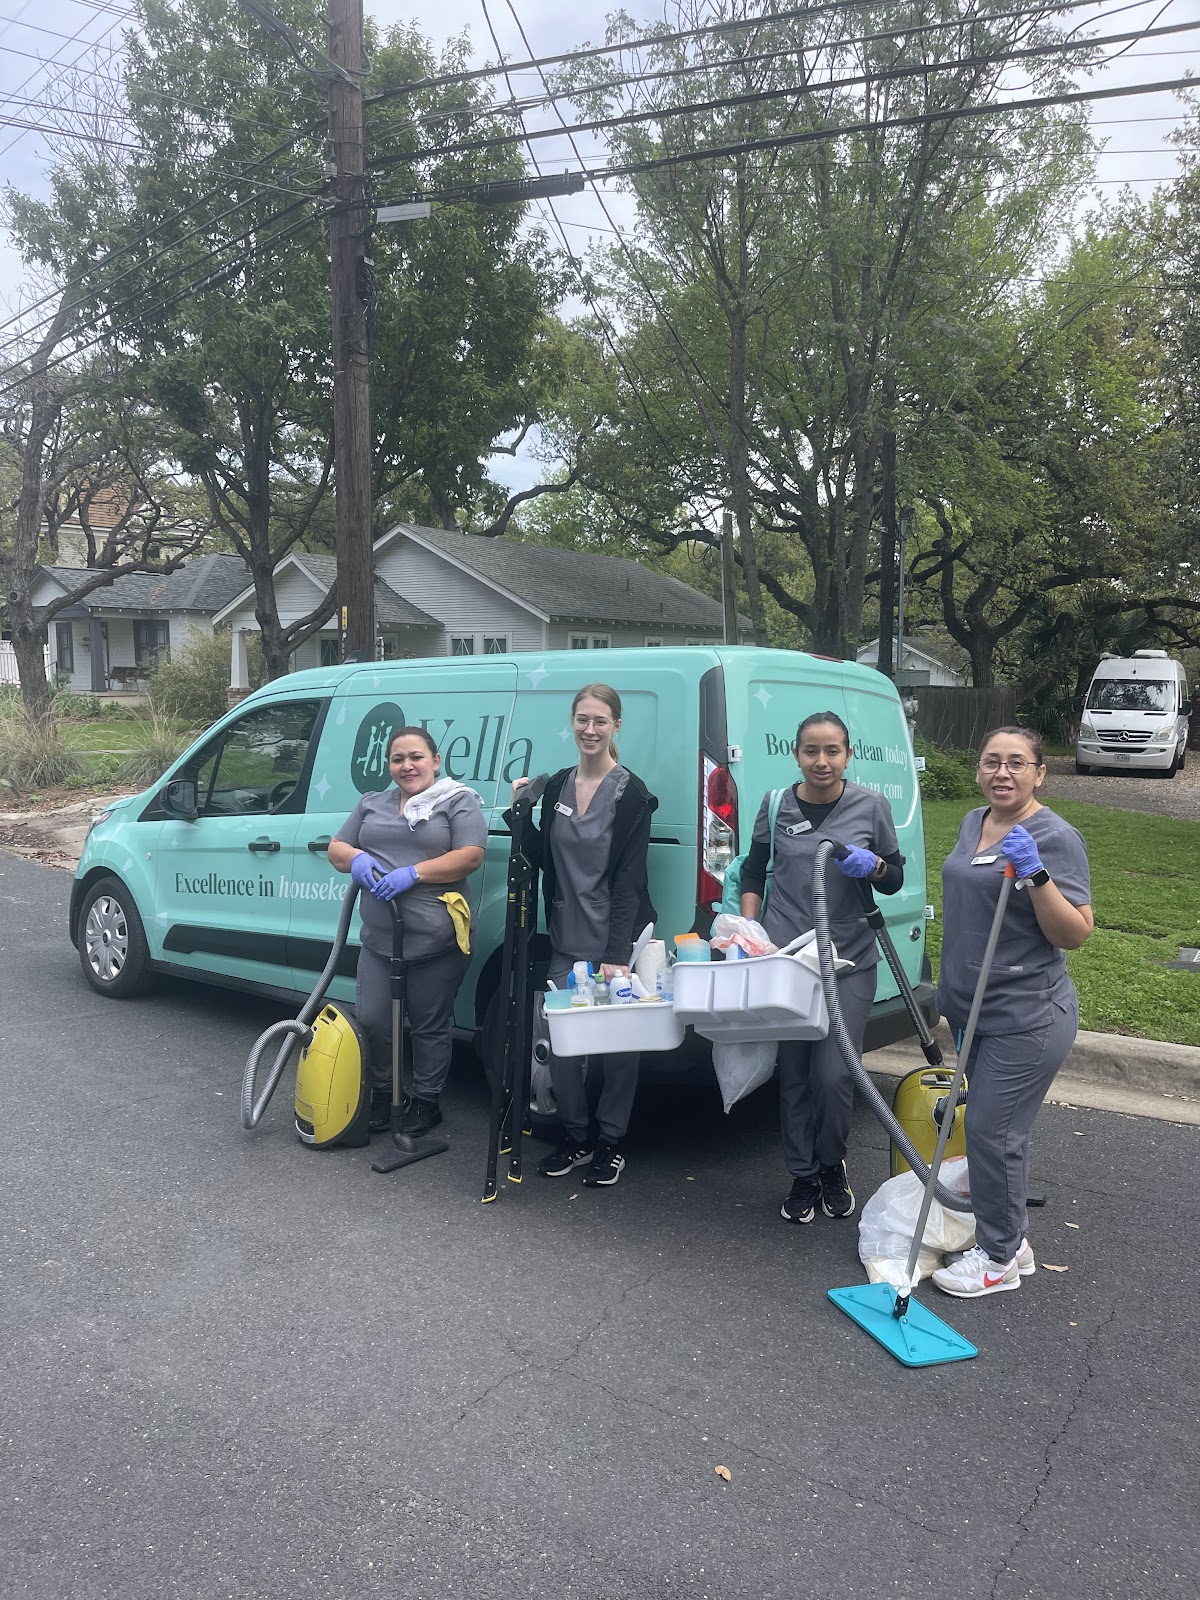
(64, 646)
(495, 644)
(150, 640)
(330, 654)
(652, 643)
(590, 641)
(462, 644)
(579, 641)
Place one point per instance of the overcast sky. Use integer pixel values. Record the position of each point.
(41, 40)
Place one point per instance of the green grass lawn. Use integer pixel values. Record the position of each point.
(118, 737)
(1146, 903)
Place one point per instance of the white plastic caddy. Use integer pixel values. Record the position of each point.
(614, 1030)
(759, 997)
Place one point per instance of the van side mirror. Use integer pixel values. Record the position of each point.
(1077, 705)
(179, 799)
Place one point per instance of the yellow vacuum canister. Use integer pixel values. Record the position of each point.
(913, 1104)
(333, 1094)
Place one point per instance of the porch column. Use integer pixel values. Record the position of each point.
(96, 651)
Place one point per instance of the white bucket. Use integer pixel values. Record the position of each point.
(614, 1030)
(762, 997)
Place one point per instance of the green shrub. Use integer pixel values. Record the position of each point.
(949, 774)
(74, 707)
(163, 744)
(106, 767)
(192, 684)
(35, 755)
(10, 698)
(77, 780)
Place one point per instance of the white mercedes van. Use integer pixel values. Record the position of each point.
(1135, 715)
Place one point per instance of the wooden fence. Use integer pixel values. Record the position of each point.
(957, 719)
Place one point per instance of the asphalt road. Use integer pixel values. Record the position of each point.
(236, 1367)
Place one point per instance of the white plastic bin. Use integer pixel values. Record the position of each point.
(761, 997)
(612, 1030)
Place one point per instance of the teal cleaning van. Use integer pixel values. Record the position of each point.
(219, 871)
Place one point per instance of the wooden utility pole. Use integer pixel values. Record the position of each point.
(728, 579)
(348, 229)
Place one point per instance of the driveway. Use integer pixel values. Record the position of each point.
(1174, 797)
(236, 1367)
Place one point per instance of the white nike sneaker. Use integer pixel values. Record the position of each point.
(976, 1274)
(1026, 1262)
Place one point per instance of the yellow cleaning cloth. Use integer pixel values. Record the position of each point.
(460, 916)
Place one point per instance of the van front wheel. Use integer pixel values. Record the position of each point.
(112, 942)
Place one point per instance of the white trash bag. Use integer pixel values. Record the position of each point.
(885, 1228)
(742, 1068)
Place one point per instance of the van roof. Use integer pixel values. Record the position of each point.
(1145, 664)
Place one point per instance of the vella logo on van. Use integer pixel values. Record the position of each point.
(468, 757)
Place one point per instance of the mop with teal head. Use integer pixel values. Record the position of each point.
(902, 1325)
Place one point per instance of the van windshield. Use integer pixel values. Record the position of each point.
(1131, 694)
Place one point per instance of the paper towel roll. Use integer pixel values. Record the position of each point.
(650, 963)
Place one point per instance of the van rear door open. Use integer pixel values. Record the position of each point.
(768, 694)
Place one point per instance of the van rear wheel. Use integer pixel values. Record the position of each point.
(112, 942)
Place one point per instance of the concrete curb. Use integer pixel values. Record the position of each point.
(1111, 1072)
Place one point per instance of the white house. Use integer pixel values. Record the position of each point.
(444, 592)
(111, 638)
(920, 666)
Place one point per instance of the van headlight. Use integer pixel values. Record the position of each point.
(100, 816)
(1167, 731)
(1086, 730)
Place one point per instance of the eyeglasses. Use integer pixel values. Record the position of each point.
(600, 724)
(1015, 764)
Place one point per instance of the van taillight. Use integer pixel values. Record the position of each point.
(718, 843)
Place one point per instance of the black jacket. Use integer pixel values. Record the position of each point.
(631, 907)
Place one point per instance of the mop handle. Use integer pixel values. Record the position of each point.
(960, 1067)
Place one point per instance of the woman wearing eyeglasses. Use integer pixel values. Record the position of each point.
(592, 844)
(1030, 1011)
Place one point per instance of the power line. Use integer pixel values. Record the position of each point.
(659, 114)
(92, 44)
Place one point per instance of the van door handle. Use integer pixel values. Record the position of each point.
(319, 846)
(263, 846)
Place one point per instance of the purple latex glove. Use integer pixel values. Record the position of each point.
(857, 862)
(395, 882)
(363, 869)
(1020, 847)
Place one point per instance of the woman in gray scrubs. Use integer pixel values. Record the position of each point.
(816, 1091)
(1030, 1010)
(426, 836)
(592, 844)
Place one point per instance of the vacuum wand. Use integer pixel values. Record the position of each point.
(968, 1039)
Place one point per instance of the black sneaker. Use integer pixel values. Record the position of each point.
(379, 1117)
(566, 1158)
(607, 1166)
(837, 1197)
(420, 1117)
(800, 1205)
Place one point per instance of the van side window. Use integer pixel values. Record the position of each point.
(257, 761)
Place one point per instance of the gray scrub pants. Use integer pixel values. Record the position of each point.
(568, 1074)
(432, 987)
(1008, 1076)
(816, 1091)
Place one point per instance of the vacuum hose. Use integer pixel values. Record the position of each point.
(254, 1100)
(845, 1043)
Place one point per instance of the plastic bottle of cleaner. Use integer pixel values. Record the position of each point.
(580, 994)
(600, 991)
(664, 983)
(621, 990)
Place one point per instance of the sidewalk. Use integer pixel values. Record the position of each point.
(1107, 1071)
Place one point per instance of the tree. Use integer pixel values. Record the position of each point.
(74, 436)
(809, 292)
(213, 268)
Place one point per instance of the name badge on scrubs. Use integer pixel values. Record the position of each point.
(563, 811)
(798, 827)
(984, 861)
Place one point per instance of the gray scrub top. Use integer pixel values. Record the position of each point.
(581, 846)
(377, 826)
(860, 817)
(1029, 974)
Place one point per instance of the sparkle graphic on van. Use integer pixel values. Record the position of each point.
(762, 693)
(536, 675)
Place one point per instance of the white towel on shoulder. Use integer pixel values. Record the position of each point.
(420, 806)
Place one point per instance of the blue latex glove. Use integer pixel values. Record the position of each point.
(857, 862)
(1020, 847)
(395, 882)
(363, 869)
